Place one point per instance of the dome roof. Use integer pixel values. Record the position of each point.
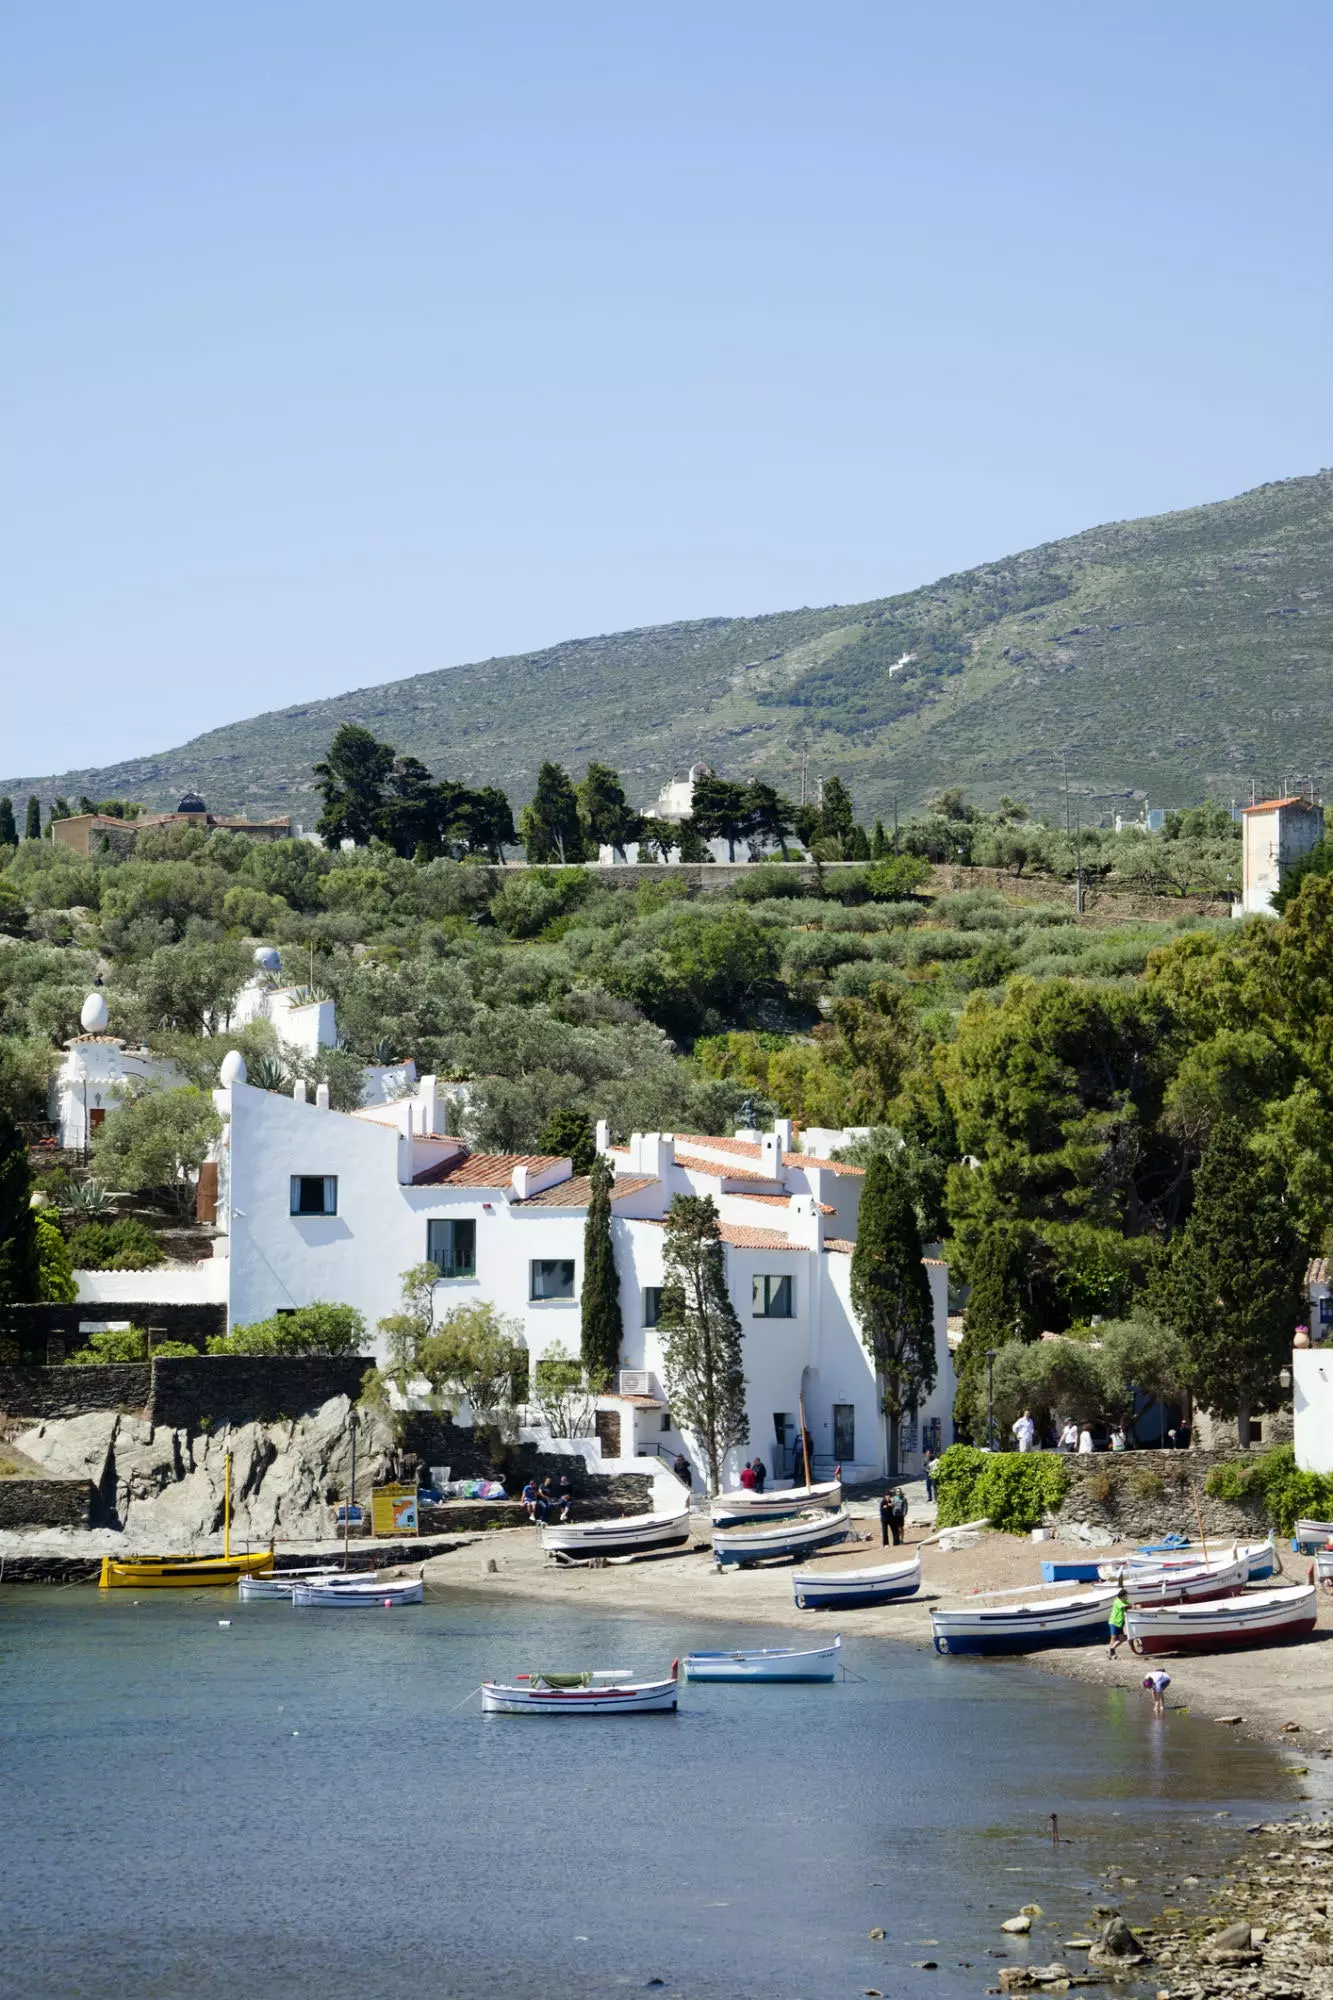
(191, 803)
(267, 958)
(93, 1015)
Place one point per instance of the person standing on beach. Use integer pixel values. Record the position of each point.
(1116, 1619)
(1156, 1684)
(885, 1517)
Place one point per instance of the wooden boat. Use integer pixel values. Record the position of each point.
(281, 1582)
(186, 1572)
(1312, 1535)
(1261, 1556)
(624, 1536)
(601, 1691)
(1022, 1628)
(767, 1663)
(1253, 1618)
(179, 1572)
(730, 1509)
(779, 1540)
(360, 1593)
(844, 1589)
(1192, 1585)
(1323, 1565)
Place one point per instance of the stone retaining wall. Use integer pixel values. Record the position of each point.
(1143, 1495)
(36, 1325)
(40, 1393)
(46, 1503)
(248, 1388)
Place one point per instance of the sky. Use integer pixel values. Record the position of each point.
(342, 342)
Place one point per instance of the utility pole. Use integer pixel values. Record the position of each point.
(1065, 761)
(895, 822)
(1078, 866)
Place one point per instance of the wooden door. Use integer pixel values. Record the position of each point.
(607, 1424)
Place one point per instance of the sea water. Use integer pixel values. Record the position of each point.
(309, 1803)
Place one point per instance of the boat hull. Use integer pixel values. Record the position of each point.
(766, 1663)
(1025, 1628)
(845, 1590)
(731, 1509)
(623, 1537)
(782, 1542)
(1312, 1535)
(1260, 1618)
(367, 1596)
(280, 1583)
(1262, 1558)
(1323, 1566)
(637, 1698)
(180, 1572)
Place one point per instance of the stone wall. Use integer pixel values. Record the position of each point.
(248, 1388)
(435, 1440)
(46, 1503)
(40, 1393)
(1143, 1495)
(36, 1325)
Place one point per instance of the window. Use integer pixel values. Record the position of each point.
(552, 1278)
(666, 1420)
(652, 1304)
(774, 1298)
(844, 1432)
(314, 1194)
(452, 1248)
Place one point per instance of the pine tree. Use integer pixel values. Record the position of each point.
(33, 826)
(836, 816)
(602, 1326)
(720, 811)
(609, 819)
(693, 847)
(891, 1294)
(999, 1309)
(20, 1274)
(700, 1333)
(550, 827)
(9, 833)
(1230, 1285)
(352, 781)
(771, 816)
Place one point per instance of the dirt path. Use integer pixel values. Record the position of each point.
(1267, 1689)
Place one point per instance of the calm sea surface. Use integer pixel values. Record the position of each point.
(298, 1805)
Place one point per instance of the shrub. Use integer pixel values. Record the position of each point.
(55, 1273)
(1100, 1489)
(123, 1245)
(1146, 1484)
(1012, 1489)
(321, 1328)
(1275, 1478)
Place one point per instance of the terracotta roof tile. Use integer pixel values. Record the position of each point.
(488, 1170)
(693, 1164)
(1316, 1271)
(577, 1193)
(843, 1246)
(741, 1237)
(746, 1147)
(812, 1160)
(784, 1200)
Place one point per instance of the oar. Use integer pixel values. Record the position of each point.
(957, 1529)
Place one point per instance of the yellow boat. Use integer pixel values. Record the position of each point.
(186, 1572)
(179, 1572)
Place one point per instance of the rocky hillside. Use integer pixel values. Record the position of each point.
(1185, 654)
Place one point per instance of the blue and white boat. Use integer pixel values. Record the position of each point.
(1022, 1628)
(774, 1504)
(767, 1663)
(1175, 1553)
(779, 1540)
(1313, 1535)
(844, 1589)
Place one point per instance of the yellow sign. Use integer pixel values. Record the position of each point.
(393, 1510)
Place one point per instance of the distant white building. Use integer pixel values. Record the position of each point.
(317, 1204)
(1275, 833)
(96, 1066)
(675, 803)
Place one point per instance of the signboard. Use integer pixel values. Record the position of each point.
(351, 1517)
(393, 1510)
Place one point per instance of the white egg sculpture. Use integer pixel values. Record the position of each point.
(93, 1014)
(232, 1070)
(267, 958)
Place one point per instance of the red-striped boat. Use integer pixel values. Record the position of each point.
(1254, 1618)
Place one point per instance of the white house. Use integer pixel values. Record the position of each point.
(96, 1064)
(675, 803)
(1274, 834)
(317, 1204)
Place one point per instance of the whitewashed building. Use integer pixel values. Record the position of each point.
(95, 1068)
(1275, 833)
(316, 1204)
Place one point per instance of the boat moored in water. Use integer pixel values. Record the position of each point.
(600, 1691)
(1252, 1618)
(179, 1572)
(779, 1540)
(360, 1592)
(280, 1583)
(767, 1663)
(730, 1509)
(844, 1589)
(623, 1536)
(1022, 1628)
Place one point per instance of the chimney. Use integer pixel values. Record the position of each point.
(298, 1090)
(785, 1136)
(602, 1136)
(322, 1096)
(428, 1095)
(519, 1183)
(770, 1155)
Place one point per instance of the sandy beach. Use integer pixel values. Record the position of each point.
(1268, 1689)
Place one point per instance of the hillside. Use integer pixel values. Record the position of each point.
(1183, 655)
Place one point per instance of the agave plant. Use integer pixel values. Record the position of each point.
(88, 1198)
(267, 1072)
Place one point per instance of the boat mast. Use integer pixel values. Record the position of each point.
(805, 1444)
(226, 1508)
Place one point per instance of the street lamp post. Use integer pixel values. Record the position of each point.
(991, 1353)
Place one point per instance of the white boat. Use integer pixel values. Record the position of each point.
(624, 1536)
(1193, 1583)
(363, 1592)
(729, 1509)
(844, 1589)
(1312, 1535)
(766, 1663)
(1254, 1618)
(1261, 1559)
(1022, 1628)
(1323, 1567)
(602, 1691)
(769, 1542)
(281, 1583)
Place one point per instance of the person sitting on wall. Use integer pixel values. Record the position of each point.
(565, 1497)
(531, 1499)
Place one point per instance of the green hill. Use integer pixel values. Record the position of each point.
(1183, 655)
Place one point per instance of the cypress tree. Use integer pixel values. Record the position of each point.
(701, 1335)
(33, 827)
(999, 1309)
(550, 827)
(20, 1276)
(601, 1323)
(880, 844)
(570, 1132)
(9, 833)
(1230, 1285)
(891, 1294)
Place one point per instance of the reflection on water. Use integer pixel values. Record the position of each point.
(297, 1804)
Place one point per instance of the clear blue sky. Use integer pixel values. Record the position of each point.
(344, 341)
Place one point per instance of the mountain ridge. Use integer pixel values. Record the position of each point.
(1183, 655)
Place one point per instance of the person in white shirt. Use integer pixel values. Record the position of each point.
(1025, 1431)
(1118, 1439)
(1085, 1441)
(1069, 1437)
